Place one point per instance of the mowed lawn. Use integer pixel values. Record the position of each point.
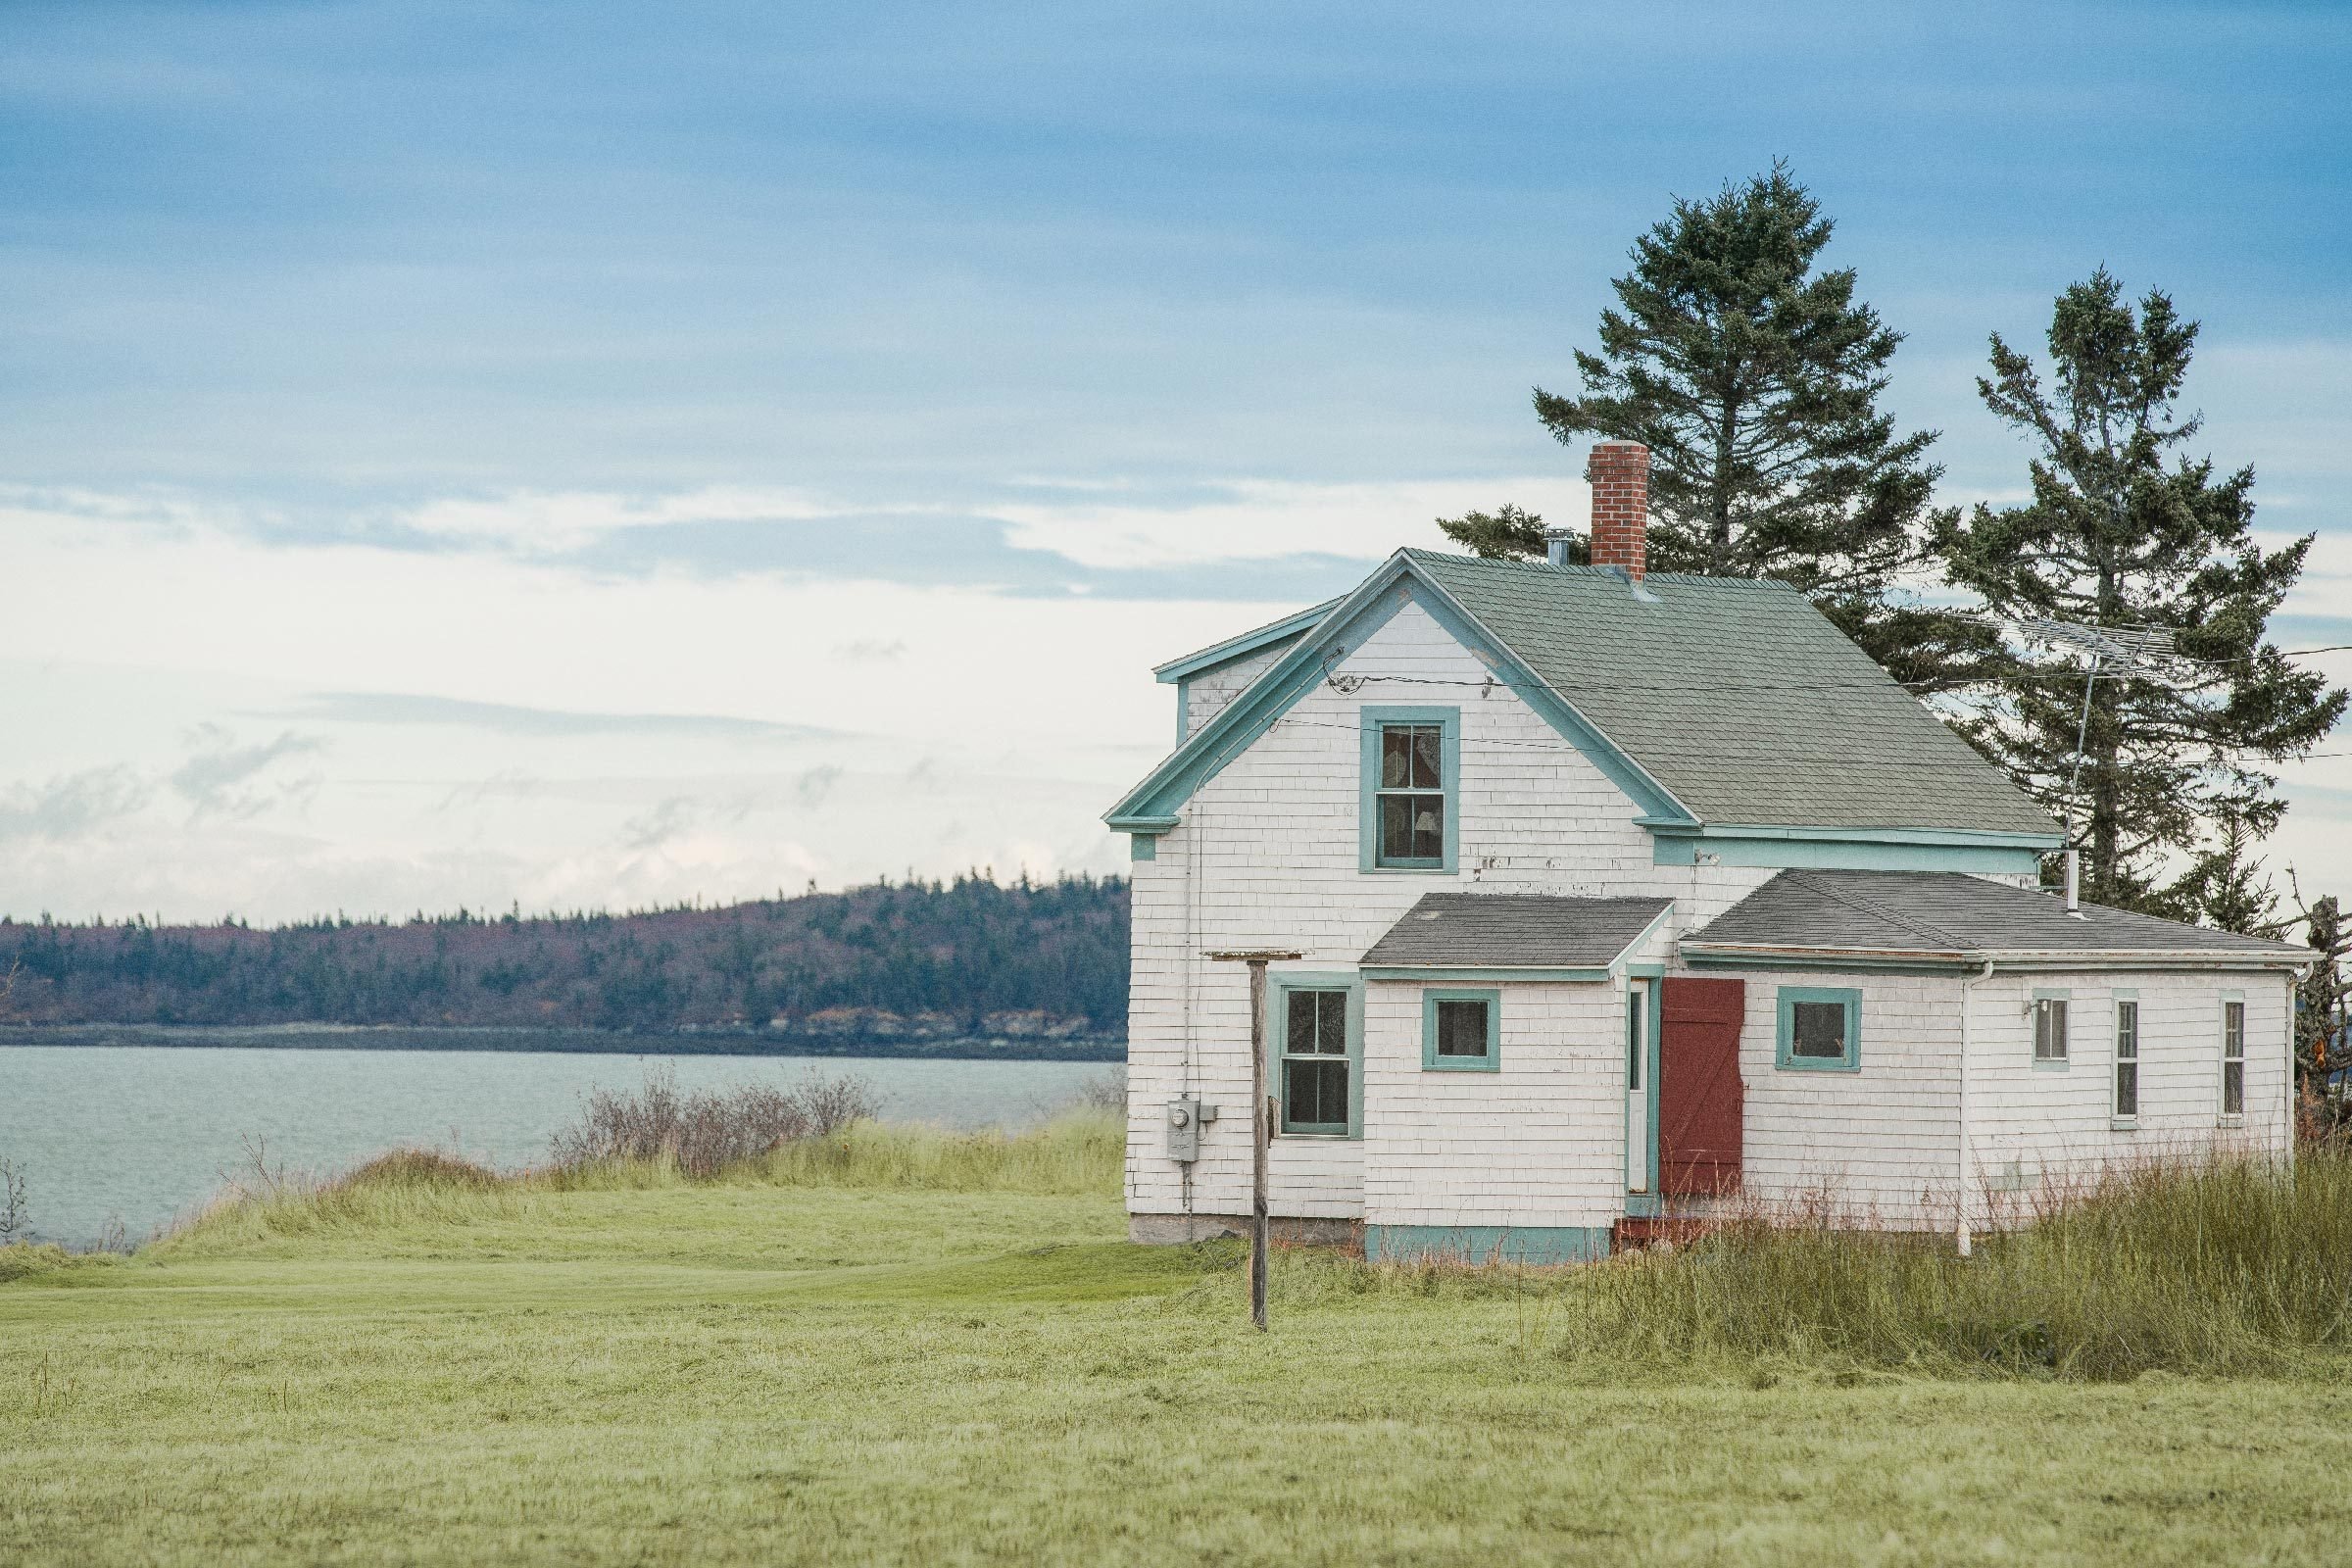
(773, 1373)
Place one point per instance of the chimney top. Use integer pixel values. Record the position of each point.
(1619, 473)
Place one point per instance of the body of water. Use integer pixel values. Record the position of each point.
(135, 1135)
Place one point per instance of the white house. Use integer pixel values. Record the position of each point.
(1619, 894)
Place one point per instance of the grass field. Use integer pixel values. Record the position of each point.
(900, 1354)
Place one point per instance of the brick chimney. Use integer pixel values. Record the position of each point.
(1619, 472)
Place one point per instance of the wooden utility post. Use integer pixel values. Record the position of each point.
(1261, 1120)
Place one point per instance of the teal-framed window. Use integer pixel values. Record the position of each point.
(1461, 1029)
(2127, 1056)
(1411, 789)
(1317, 1061)
(2053, 1044)
(2234, 1053)
(1820, 1029)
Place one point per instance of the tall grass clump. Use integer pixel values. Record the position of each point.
(1079, 1152)
(710, 1130)
(2235, 1266)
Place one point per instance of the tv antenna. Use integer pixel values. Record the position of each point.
(2143, 651)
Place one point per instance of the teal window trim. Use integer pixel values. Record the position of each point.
(1448, 721)
(2065, 1029)
(1431, 1062)
(1785, 1045)
(1280, 984)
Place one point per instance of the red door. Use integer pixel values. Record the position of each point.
(1700, 1125)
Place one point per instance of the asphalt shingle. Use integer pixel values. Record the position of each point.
(1947, 913)
(1513, 931)
(1738, 696)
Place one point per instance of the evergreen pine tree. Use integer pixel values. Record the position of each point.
(2115, 537)
(1754, 379)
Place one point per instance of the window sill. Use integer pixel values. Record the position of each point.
(2051, 1065)
(1316, 1137)
(2226, 1120)
(1468, 1065)
(1791, 1064)
(1407, 870)
(2123, 1124)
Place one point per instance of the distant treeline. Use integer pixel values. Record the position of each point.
(908, 962)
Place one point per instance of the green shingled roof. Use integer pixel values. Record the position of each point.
(1738, 696)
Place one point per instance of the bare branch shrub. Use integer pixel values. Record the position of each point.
(708, 1130)
(15, 1219)
(1103, 1091)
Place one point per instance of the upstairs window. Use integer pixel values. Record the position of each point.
(1410, 774)
(2127, 1061)
(2233, 1059)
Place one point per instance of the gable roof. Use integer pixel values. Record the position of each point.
(1707, 700)
(1951, 918)
(1739, 697)
(1513, 931)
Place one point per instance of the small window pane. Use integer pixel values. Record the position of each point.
(1314, 1093)
(1396, 827)
(1396, 758)
(2233, 1030)
(1300, 1033)
(1818, 1031)
(1429, 826)
(2127, 1059)
(1461, 1028)
(2127, 1088)
(1634, 1042)
(1331, 1022)
(2233, 1088)
(1426, 753)
(2049, 1029)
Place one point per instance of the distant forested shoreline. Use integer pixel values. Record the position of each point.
(971, 968)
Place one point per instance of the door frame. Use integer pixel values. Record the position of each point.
(1650, 980)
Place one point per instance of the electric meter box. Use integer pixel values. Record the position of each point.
(1185, 1117)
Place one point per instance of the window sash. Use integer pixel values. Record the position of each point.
(2233, 1059)
(1317, 1069)
(2127, 1060)
(1409, 795)
(1814, 1025)
(2049, 1029)
(1462, 1028)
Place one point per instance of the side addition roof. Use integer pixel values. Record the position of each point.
(1947, 919)
(1507, 933)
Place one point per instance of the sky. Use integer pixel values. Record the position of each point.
(612, 455)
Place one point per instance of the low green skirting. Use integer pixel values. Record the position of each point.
(1486, 1244)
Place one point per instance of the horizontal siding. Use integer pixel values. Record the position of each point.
(2037, 1130)
(1879, 1146)
(1208, 693)
(1540, 1142)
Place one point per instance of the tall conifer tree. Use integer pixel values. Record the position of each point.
(1754, 379)
(2172, 791)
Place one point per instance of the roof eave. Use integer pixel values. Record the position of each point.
(1763, 955)
(1249, 642)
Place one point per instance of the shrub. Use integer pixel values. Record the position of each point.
(708, 1130)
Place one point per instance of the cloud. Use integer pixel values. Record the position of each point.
(210, 779)
(557, 522)
(70, 807)
(668, 819)
(505, 719)
(811, 788)
(1267, 519)
(872, 652)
